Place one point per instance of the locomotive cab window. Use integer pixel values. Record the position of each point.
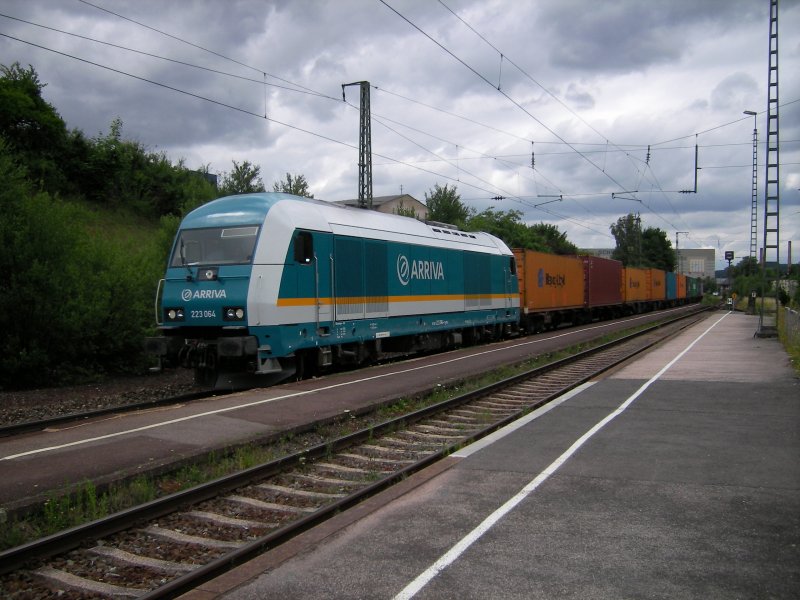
(215, 246)
(512, 265)
(303, 247)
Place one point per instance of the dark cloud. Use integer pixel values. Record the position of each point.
(592, 84)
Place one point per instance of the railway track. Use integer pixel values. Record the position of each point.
(124, 405)
(58, 420)
(173, 544)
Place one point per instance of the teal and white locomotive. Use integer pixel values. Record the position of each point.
(277, 285)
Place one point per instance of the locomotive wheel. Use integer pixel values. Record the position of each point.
(305, 365)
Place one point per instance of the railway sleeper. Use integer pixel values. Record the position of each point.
(260, 504)
(414, 446)
(219, 519)
(135, 560)
(407, 448)
(63, 580)
(377, 459)
(340, 468)
(479, 410)
(281, 489)
(330, 480)
(447, 427)
(183, 538)
(432, 436)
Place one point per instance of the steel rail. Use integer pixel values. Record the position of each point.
(40, 425)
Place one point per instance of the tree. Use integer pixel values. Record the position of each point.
(508, 226)
(296, 185)
(554, 239)
(627, 232)
(244, 179)
(31, 126)
(404, 211)
(445, 206)
(657, 249)
(747, 266)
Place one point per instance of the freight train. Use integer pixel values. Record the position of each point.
(277, 286)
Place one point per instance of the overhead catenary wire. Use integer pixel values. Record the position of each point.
(504, 94)
(461, 157)
(257, 115)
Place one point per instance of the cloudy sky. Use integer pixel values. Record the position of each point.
(574, 112)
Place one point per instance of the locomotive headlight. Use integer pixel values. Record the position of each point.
(174, 314)
(234, 313)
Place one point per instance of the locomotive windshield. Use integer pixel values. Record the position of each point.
(216, 246)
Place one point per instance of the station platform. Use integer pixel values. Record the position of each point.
(676, 476)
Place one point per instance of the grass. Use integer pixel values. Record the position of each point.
(85, 503)
(789, 335)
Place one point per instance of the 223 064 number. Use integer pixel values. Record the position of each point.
(204, 314)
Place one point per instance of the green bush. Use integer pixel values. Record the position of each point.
(77, 300)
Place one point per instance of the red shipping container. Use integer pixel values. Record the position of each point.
(602, 276)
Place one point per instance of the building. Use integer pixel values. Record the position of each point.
(393, 205)
(696, 262)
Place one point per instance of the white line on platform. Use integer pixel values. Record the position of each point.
(456, 551)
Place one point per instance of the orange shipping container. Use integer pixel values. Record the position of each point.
(549, 281)
(634, 284)
(681, 286)
(657, 285)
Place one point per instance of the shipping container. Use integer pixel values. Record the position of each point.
(551, 290)
(694, 287)
(549, 281)
(681, 286)
(672, 289)
(656, 286)
(634, 285)
(602, 278)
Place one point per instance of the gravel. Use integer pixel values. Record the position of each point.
(33, 405)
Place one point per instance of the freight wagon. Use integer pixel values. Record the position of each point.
(603, 293)
(656, 287)
(551, 288)
(681, 287)
(671, 288)
(635, 292)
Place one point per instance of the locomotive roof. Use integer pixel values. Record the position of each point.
(313, 214)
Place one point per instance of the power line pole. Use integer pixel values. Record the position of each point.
(364, 146)
(677, 251)
(772, 186)
(754, 196)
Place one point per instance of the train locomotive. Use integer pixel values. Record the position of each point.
(277, 285)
